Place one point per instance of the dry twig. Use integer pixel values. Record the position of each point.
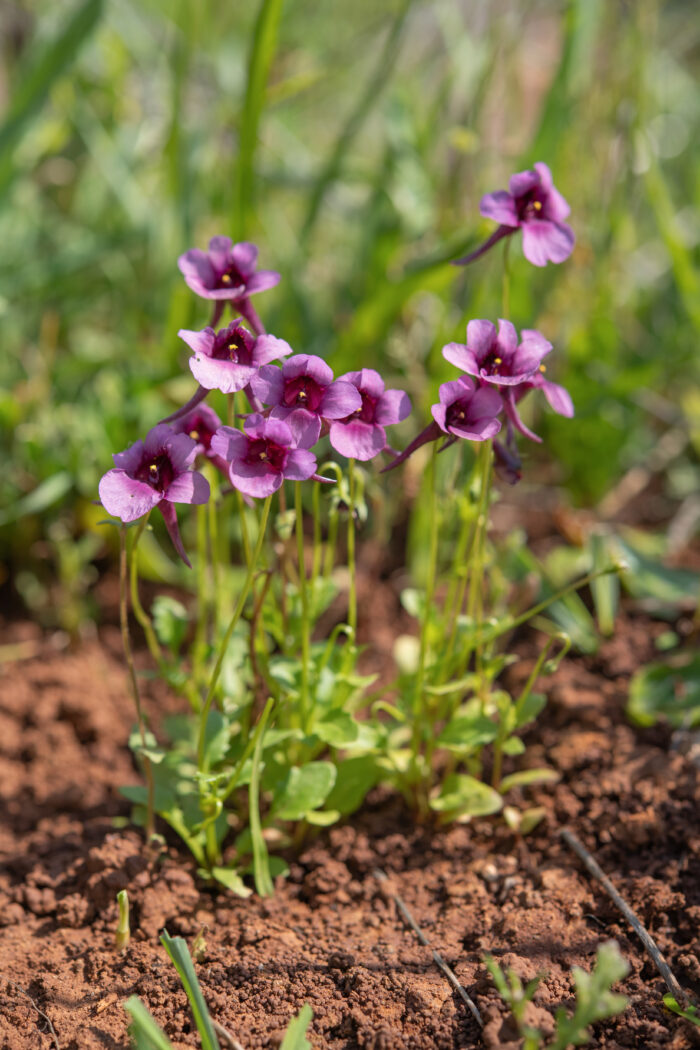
(223, 1033)
(52, 1030)
(437, 958)
(645, 937)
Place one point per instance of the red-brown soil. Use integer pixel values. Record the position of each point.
(331, 936)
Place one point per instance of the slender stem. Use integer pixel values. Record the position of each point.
(479, 582)
(247, 310)
(200, 636)
(505, 288)
(352, 568)
(418, 704)
(318, 542)
(213, 534)
(135, 692)
(142, 617)
(245, 537)
(303, 594)
(240, 604)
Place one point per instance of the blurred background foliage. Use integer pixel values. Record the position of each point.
(352, 142)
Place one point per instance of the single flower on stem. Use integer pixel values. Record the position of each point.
(264, 454)
(496, 358)
(152, 473)
(228, 359)
(467, 411)
(531, 204)
(304, 385)
(361, 435)
(225, 271)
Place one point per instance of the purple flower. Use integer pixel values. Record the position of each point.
(533, 205)
(155, 473)
(226, 271)
(498, 358)
(304, 386)
(200, 423)
(558, 397)
(228, 359)
(264, 454)
(361, 434)
(467, 411)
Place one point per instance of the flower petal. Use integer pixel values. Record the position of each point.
(461, 357)
(199, 342)
(221, 375)
(478, 430)
(308, 365)
(392, 407)
(545, 242)
(190, 487)
(220, 253)
(254, 479)
(195, 266)
(358, 440)
(485, 402)
(481, 336)
(229, 443)
(339, 400)
(126, 498)
(269, 348)
(300, 465)
(305, 427)
(261, 281)
(268, 385)
(500, 207)
(558, 397)
(170, 519)
(523, 182)
(130, 458)
(245, 256)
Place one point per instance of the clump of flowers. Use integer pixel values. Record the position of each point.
(275, 710)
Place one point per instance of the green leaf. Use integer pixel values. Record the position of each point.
(690, 1013)
(170, 621)
(528, 711)
(295, 1036)
(39, 499)
(230, 878)
(605, 589)
(513, 746)
(467, 734)
(176, 947)
(337, 728)
(648, 578)
(145, 1033)
(354, 778)
(594, 999)
(462, 796)
(323, 818)
(529, 776)
(217, 737)
(668, 690)
(304, 789)
(261, 860)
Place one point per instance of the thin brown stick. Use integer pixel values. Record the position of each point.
(41, 1013)
(223, 1033)
(437, 958)
(645, 937)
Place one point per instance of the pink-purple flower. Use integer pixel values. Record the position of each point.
(557, 396)
(264, 454)
(498, 358)
(361, 434)
(467, 411)
(152, 473)
(228, 359)
(304, 385)
(534, 205)
(226, 270)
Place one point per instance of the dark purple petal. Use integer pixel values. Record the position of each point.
(367, 380)
(477, 430)
(180, 448)
(500, 207)
(221, 375)
(269, 348)
(498, 235)
(481, 335)
(126, 498)
(340, 400)
(455, 389)
(358, 440)
(268, 385)
(392, 407)
(485, 402)
(545, 242)
(557, 207)
(190, 487)
(305, 427)
(245, 256)
(300, 466)
(195, 266)
(276, 430)
(131, 458)
(521, 184)
(220, 253)
(439, 414)
(170, 519)
(254, 479)
(199, 342)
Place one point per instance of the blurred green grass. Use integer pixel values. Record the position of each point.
(352, 144)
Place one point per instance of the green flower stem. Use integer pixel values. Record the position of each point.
(318, 542)
(460, 571)
(419, 707)
(505, 287)
(480, 559)
(240, 604)
(352, 568)
(200, 635)
(142, 617)
(304, 596)
(135, 692)
(213, 534)
(245, 537)
(232, 782)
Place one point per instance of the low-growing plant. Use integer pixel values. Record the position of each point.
(268, 657)
(146, 1034)
(595, 1000)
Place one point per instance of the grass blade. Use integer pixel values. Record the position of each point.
(144, 1032)
(366, 101)
(261, 55)
(261, 860)
(177, 949)
(295, 1036)
(32, 85)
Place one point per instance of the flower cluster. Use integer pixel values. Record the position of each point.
(293, 404)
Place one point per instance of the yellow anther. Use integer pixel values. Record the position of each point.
(226, 278)
(263, 455)
(537, 205)
(232, 346)
(153, 468)
(194, 435)
(302, 395)
(498, 360)
(543, 369)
